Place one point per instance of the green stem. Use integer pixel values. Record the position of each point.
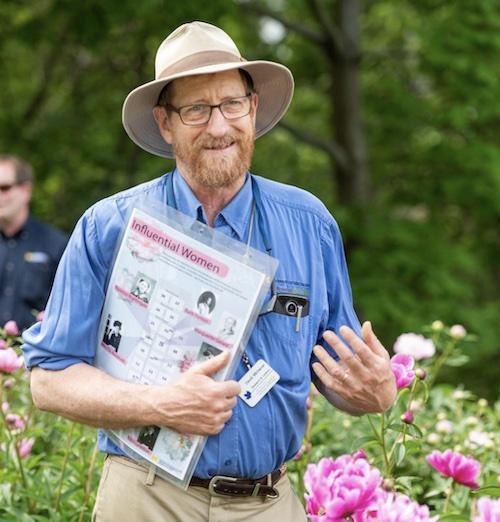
(411, 396)
(13, 442)
(448, 497)
(381, 441)
(63, 470)
(440, 361)
(88, 483)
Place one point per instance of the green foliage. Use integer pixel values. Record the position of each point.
(55, 479)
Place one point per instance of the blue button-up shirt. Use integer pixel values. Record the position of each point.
(306, 241)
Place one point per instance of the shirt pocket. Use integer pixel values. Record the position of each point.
(36, 283)
(286, 350)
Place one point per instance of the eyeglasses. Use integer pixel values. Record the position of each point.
(200, 113)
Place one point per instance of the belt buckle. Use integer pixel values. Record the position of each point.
(213, 483)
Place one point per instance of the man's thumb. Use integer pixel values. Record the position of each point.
(212, 365)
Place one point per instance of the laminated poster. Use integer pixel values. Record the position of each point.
(174, 301)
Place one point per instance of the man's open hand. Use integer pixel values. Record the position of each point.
(363, 375)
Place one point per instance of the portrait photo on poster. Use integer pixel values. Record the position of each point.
(112, 333)
(143, 287)
(206, 303)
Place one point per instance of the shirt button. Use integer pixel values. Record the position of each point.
(227, 462)
(9, 266)
(211, 472)
(8, 291)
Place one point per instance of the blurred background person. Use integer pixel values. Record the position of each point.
(29, 249)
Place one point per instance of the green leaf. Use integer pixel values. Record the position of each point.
(457, 360)
(400, 454)
(415, 430)
(362, 441)
(492, 490)
(433, 493)
(457, 517)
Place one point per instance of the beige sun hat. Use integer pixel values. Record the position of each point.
(201, 48)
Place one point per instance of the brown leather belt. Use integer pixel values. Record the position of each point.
(221, 485)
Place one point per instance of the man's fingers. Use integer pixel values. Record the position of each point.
(326, 360)
(372, 340)
(334, 380)
(345, 353)
(211, 366)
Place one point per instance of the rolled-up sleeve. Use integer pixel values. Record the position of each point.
(68, 333)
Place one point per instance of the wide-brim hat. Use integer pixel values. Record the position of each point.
(200, 48)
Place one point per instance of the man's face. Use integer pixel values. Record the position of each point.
(14, 198)
(218, 153)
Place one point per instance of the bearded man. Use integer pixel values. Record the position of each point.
(206, 107)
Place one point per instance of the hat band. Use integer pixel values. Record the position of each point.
(200, 59)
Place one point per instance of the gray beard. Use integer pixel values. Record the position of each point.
(216, 173)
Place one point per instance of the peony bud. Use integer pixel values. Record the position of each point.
(457, 332)
(360, 454)
(482, 403)
(421, 373)
(407, 417)
(25, 447)
(9, 383)
(444, 426)
(437, 326)
(388, 484)
(433, 438)
(11, 328)
(415, 405)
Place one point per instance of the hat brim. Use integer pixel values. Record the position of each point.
(273, 83)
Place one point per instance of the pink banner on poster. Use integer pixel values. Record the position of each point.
(177, 247)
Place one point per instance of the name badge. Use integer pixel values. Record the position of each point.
(36, 257)
(257, 382)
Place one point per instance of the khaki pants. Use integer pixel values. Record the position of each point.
(129, 493)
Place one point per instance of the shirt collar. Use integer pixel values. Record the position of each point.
(236, 214)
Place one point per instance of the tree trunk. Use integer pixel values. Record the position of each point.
(352, 178)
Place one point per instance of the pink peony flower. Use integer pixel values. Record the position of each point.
(339, 488)
(25, 447)
(11, 328)
(415, 345)
(488, 510)
(396, 507)
(9, 383)
(15, 421)
(402, 367)
(9, 361)
(360, 454)
(462, 469)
